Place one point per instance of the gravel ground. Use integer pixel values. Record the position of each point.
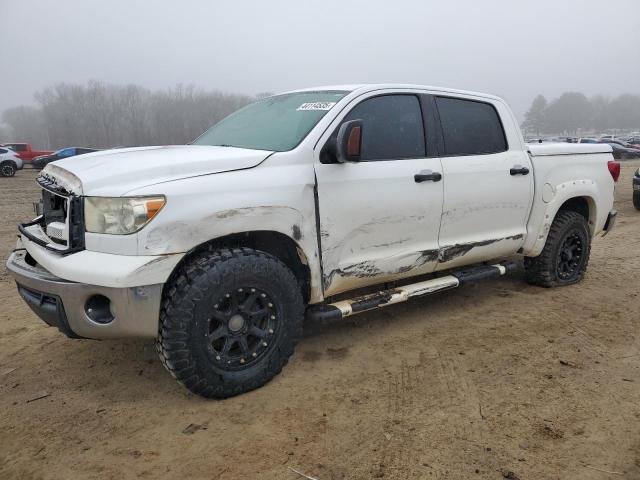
(492, 381)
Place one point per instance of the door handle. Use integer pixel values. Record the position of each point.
(519, 170)
(427, 176)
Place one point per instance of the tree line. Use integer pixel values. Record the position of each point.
(573, 111)
(101, 115)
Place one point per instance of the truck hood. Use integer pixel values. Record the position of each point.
(116, 172)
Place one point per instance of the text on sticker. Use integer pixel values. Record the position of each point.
(316, 106)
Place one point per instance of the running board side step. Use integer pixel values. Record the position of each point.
(346, 308)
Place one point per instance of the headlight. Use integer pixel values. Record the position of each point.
(120, 215)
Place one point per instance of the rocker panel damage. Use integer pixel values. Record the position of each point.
(394, 267)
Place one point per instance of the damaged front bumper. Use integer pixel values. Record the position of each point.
(81, 310)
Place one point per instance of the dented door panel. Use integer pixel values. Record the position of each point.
(376, 223)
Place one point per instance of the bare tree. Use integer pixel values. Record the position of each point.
(101, 115)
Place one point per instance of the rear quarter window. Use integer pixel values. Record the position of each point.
(470, 127)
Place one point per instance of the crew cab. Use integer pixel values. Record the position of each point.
(318, 203)
(25, 151)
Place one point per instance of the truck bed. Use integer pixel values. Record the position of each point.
(545, 149)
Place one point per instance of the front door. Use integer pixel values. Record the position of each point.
(378, 221)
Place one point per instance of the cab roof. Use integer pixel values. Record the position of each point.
(368, 87)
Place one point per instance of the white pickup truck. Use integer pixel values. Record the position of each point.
(322, 203)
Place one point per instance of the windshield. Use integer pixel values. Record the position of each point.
(277, 123)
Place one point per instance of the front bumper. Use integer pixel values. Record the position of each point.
(130, 311)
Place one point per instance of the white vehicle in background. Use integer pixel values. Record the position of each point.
(326, 202)
(9, 162)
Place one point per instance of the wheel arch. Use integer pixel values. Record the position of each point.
(8, 160)
(584, 203)
(275, 243)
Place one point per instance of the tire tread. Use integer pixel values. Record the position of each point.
(177, 312)
(540, 270)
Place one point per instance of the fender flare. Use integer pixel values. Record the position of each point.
(550, 202)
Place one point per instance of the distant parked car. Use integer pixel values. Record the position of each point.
(41, 161)
(636, 189)
(9, 162)
(622, 143)
(24, 150)
(623, 153)
(588, 140)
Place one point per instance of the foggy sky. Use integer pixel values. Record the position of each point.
(515, 49)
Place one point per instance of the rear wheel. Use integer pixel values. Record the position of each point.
(565, 256)
(229, 321)
(636, 199)
(7, 168)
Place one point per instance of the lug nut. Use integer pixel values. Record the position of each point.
(254, 354)
(271, 305)
(242, 360)
(264, 344)
(217, 357)
(271, 331)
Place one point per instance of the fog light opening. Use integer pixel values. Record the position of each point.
(98, 309)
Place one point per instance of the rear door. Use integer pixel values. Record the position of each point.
(487, 178)
(378, 222)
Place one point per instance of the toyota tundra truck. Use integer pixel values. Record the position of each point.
(320, 204)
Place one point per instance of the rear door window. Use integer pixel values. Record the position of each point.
(392, 127)
(470, 127)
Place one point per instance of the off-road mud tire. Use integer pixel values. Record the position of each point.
(543, 269)
(195, 289)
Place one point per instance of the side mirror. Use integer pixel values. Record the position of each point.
(349, 141)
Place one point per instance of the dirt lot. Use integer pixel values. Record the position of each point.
(498, 380)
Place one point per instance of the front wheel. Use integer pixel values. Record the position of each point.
(565, 256)
(229, 321)
(636, 199)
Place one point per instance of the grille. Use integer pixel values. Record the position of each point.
(55, 210)
(60, 222)
(57, 231)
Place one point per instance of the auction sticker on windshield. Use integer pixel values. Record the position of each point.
(316, 106)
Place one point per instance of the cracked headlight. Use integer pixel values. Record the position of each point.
(120, 215)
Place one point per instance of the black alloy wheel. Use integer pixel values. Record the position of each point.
(241, 326)
(570, 256)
